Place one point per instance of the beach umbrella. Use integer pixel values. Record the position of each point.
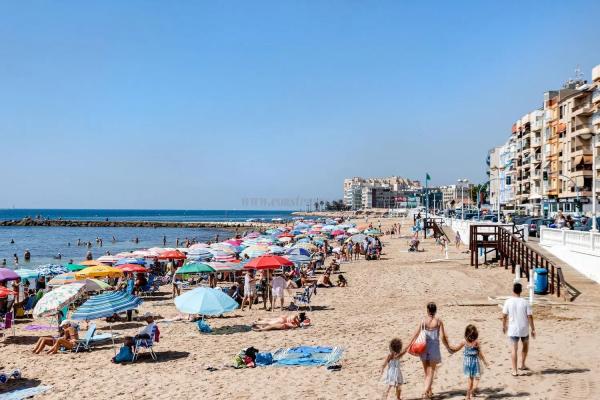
(90, 263)
(194, 268)
(357, 238)
(308, 246)
(105, 305)
(63, 279)
(352, 231)
(268, 262)
(298, 258)
(205, 301)
(108, 259)
(51, 269)
(373, 232)
(8, 275)
(298, 251)
(99, 272)
(254, 251)
(130, 260)
(276, 250)
(171, 254)
(338, 232)
(56, 299)
(225, 266)
(234, 242)
(27, 273)
(75, 267)
(286, 235)
(5, 292)
(198, 246)
(285, 239)
(341, 238)
(131, 268)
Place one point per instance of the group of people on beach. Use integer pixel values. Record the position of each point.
(517, 320)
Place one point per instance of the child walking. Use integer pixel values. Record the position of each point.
(393, 377)
(471, 356)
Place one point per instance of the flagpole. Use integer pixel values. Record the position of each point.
(426, 200)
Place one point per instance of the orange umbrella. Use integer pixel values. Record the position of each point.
(172, 254)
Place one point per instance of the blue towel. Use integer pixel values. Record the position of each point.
(310, 349)
(307, 356)
(264, 359)
(203, 327)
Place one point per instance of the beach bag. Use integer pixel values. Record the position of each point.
(203, 327)
(419, 345)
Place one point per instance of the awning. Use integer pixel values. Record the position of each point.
(578, 160)
(587, 159)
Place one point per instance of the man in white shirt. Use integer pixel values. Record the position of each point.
(147, 332)
(516, 320)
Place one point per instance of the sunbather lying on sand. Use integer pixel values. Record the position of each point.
(280, 323)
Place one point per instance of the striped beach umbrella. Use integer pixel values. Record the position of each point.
(105, 305)
(225, 266)
(56, 299)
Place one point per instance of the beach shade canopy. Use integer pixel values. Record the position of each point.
(358, 238)
(4, 292)
(106, 305)
(205, 301)
(171, 254)
(130, 260)
(8, 275)
(75, 267)
(131, 268)
(27, 273)
(99, 272)
(56, 299)
(195, 268)
(268, 262)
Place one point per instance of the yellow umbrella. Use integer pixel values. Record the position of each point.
(99, 271)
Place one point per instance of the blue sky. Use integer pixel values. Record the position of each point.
(148, 104)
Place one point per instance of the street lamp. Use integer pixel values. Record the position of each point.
(464, 181)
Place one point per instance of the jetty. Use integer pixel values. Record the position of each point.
(33, 222)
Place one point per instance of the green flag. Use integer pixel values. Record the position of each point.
(427, 177)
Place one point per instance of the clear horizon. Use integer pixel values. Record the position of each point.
(206, 106)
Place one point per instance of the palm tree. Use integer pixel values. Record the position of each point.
(316, 206)
(321, 203)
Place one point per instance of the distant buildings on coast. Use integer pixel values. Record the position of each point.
(550, 159)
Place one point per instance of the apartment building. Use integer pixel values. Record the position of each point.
(548, 162)
(365, 193)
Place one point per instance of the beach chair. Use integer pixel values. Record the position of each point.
(303, 298)
(151, 287)
(29, 305)
(90, 339)
(148, 344)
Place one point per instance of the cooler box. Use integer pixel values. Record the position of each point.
(540, 281)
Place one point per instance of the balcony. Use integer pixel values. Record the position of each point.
(595, 120)
(536, 142)
(582, 129)
(596, 96)
(582, 109)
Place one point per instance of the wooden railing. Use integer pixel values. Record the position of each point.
(511, 251)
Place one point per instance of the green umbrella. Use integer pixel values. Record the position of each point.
(195, 268)
(75, 267)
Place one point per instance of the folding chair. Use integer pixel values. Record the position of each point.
(304, 297)
(147, 344)
(9, 322)
(90, 338)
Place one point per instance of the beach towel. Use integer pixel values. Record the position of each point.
(19, 394)
(307, 356)
(33, 327)
(264, 359)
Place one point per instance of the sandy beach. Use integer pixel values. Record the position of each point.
(385, 299)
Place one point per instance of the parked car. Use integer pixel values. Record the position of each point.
(587, 226)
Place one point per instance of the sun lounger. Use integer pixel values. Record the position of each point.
(91, 338)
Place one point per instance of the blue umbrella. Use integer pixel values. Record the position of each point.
(106, 305)
(27, 273)
(131, 260)
(298, 251)
(298, 258)
(205, 301)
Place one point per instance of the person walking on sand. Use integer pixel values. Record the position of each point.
(393, 377)
(517, 318)
(249, 289)
(431, 357)
(457, 240)
(472, 354)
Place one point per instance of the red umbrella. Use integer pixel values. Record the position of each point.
(131, 268)
(268, 262)
(338, 232)
(4, 292)
(287, 234)
(172, 254)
